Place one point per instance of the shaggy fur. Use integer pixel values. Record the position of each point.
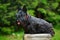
(33, 25)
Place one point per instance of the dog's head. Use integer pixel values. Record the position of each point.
(21, 15)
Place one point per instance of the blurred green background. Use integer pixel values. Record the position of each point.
(48, 10)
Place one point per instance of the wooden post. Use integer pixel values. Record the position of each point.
(37, 37)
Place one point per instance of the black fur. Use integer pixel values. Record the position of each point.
(33, 25)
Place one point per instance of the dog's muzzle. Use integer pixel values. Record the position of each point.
(18, 22)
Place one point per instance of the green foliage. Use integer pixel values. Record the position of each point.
(31, 12)
(54, 5)
(6, 30)
(8, 10)
(44, 1)
(42, 10)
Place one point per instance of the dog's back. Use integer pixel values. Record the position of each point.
(39, 21)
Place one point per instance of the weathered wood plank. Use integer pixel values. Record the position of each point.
(37, 37)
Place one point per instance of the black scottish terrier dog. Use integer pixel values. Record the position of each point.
(33, 25)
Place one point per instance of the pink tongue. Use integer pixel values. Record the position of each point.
(18, 23)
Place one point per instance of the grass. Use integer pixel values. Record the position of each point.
(19, 36)
(57, 35)
(14, 36)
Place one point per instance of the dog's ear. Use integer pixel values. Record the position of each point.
(24, 9)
